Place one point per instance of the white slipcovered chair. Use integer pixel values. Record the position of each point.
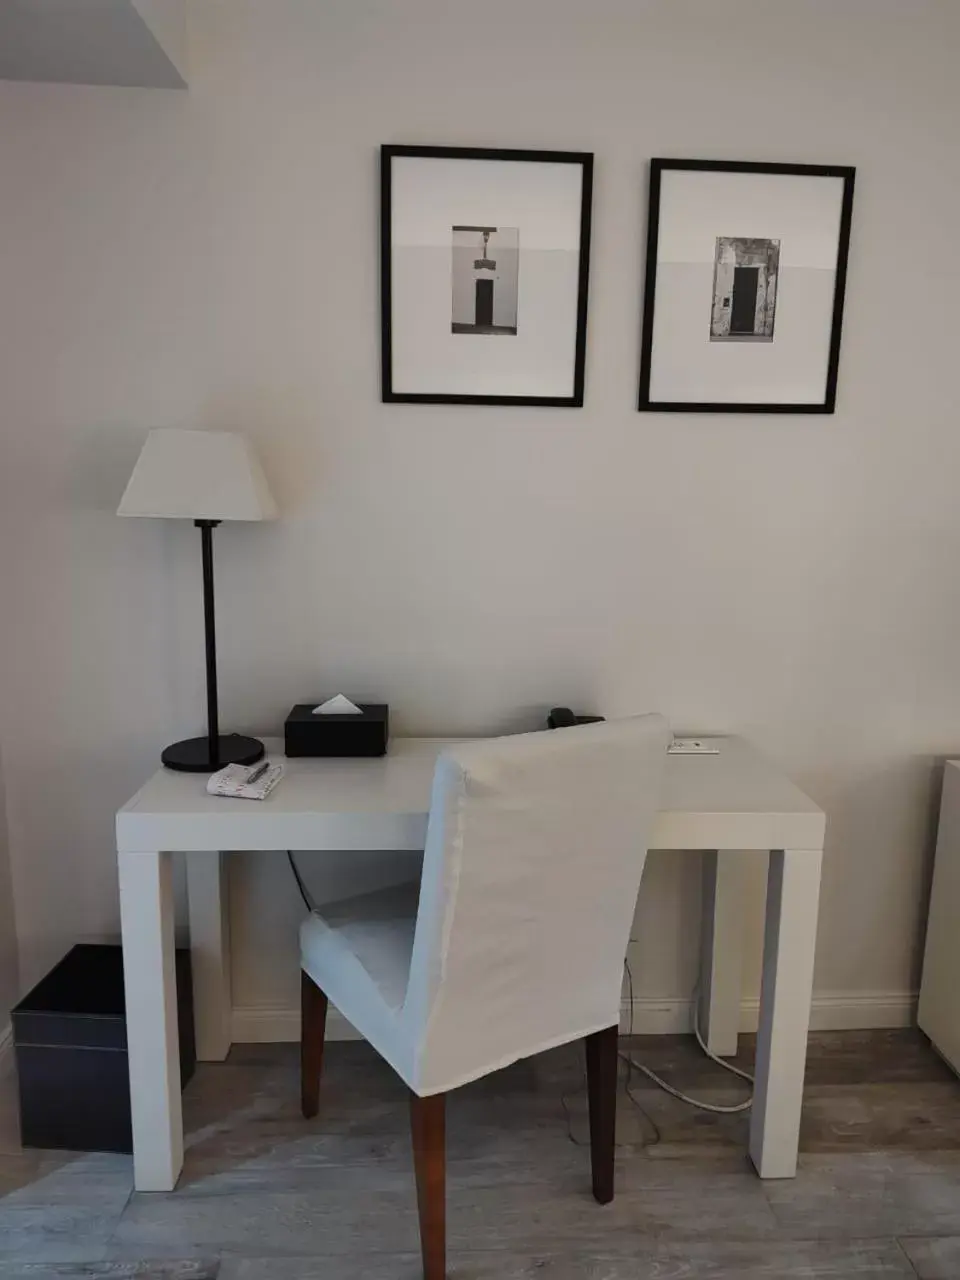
(511, 943)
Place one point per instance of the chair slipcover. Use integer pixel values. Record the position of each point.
(514, 939)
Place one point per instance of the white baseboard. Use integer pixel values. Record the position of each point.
(861, 1010)
(832, 1011)
(6, 1050)
(264, 1025)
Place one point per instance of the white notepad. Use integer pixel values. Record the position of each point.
(232, 781)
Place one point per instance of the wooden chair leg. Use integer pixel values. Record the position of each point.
(313, 1017)
(601, 1048)
(428, 1127)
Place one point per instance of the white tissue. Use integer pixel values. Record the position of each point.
(338, 706)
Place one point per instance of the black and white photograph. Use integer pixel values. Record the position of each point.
(744, 289)
(485, 273)
(747, 322)
(484, 268)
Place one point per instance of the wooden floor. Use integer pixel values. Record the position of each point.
(268, 1196)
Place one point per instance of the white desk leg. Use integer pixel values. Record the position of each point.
(210, 953)
(721, 946)
(153, 1046)
(790, 937)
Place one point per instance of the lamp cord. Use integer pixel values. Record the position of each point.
(308, 901)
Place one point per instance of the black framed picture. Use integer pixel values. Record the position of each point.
(484, 266)
(743, 301)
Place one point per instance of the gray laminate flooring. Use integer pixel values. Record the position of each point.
(266, 1195)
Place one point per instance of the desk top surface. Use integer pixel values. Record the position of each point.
(737, 799)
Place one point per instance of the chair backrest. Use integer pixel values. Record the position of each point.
(535, 848)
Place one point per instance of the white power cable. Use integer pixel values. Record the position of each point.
(716, 1108)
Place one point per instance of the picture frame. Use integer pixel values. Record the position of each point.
(484, 275)
(748, 322)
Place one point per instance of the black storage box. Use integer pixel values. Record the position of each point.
(70, 1042)
(306, 734)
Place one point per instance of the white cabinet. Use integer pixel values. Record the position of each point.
(939, 1010)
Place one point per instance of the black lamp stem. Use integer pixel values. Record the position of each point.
(206, 755)
(206, 528)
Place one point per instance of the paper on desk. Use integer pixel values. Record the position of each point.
(232, 781)
(338, 706)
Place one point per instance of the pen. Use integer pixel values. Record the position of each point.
(257, 773)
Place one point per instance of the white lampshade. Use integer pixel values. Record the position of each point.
(197, 475)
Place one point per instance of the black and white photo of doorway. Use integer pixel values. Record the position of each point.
(485, 279)
(745, 275)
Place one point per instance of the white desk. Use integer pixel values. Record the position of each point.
(729, 802)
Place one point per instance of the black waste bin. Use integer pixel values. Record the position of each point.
(70, 1043)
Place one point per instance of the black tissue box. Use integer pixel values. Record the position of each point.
(306, 734)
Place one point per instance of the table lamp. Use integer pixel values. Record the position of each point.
(206, 477)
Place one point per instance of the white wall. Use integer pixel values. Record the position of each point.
(210, 259)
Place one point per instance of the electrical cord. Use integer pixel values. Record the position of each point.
(652, 1142)
(715, 1108)
(631, 1068)
(571, 1137)
(304, 891)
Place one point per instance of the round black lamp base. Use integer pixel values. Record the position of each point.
(193, 754)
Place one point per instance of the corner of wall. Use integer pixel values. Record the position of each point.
(167, 21)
